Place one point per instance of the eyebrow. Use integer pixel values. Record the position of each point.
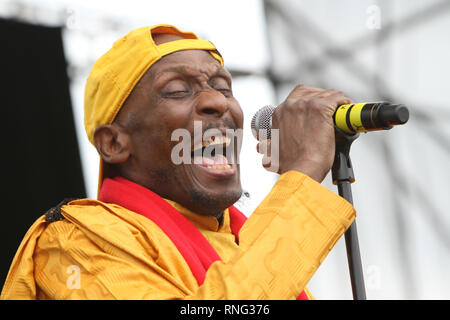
(186, 69)
(178, 69)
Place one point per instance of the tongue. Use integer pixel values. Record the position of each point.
(218, 159)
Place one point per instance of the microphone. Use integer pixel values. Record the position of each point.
(350, 118)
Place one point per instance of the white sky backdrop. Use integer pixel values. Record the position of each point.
(238, 29)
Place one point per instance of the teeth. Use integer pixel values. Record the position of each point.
(220, 167)
(217, 140)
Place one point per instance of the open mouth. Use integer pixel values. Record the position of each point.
(214, 156)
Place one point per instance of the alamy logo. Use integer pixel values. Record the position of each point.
(212, 143)
(74, 279)
(373, 21)
(221, 147)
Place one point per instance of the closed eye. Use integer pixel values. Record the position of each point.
(226, 92)
(221, 84)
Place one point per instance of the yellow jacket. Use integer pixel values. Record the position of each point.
(104, 251)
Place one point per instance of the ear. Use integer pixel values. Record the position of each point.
(113, 143)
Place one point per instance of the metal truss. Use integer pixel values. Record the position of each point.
(299, 25)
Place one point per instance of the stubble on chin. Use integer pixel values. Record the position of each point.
(198, 201)
(213, 205)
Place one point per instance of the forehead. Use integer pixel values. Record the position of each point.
(186, 61)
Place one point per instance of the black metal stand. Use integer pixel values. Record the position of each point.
(342, 174)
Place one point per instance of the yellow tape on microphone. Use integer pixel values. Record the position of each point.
(348, 118)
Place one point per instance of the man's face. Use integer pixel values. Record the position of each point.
(180, 89)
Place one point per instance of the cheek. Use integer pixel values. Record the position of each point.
(150, 136)
(238, 114)
(156, 142)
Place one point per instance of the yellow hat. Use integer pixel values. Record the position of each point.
(116, 73)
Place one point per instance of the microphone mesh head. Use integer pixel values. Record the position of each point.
(262, 120)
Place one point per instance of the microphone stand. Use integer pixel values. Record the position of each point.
(342, 174)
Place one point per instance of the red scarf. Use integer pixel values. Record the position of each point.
(193, 246)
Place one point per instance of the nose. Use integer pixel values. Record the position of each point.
(212, 102)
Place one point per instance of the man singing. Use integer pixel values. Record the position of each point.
(162, 229)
